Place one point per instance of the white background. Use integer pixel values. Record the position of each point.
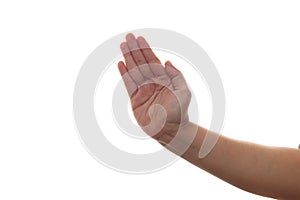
(255, 46)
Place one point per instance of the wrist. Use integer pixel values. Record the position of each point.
(180, 139)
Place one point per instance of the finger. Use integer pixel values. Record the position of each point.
(168, 63)
(132, 68)
(153, 61)
(122, 68)
(171, 70)
(147, 51)
(176, 76)
(130, 85)
(136, 75)
(138, 56)
(157, 69)
(130, 63)
(135, 50)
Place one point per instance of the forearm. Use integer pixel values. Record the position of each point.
(268, 171)
(263, 170)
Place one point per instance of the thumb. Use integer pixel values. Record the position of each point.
(169, 64)
(171, 70)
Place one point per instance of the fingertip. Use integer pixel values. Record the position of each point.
(122, 67)
(142, 42)
(123, 45)
(141, 38)
(169, 64)
(124, 48)
(120, 63)
(130, 36)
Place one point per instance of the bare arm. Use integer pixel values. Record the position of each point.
(263, 170)
(267, 171)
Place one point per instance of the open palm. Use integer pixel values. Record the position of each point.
(159, 94)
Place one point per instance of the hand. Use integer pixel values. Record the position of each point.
(159, 94)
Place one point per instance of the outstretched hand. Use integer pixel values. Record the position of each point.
(159, 94)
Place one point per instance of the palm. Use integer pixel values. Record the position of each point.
(159, 95)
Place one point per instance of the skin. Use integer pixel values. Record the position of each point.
(267, 171)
